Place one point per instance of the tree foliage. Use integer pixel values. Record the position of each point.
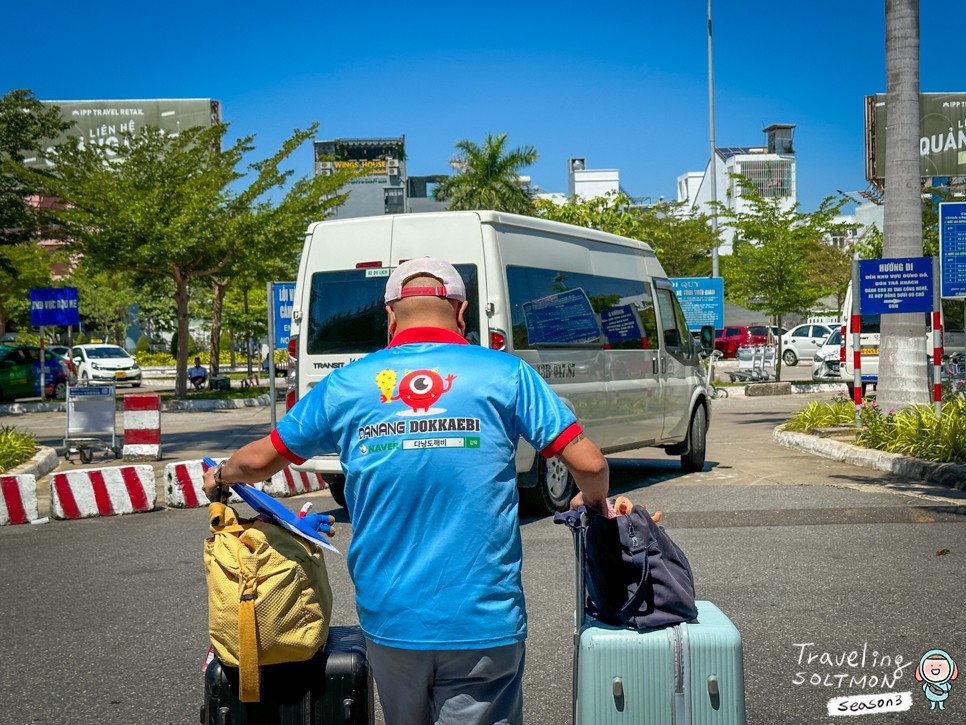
(167, 206)
(24, 124)
(776, 266)
(681, 238)
(488, 176)
(22, 266)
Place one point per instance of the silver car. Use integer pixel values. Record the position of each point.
(825, 363)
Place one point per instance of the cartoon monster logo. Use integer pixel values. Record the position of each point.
(419, 390)
(936, 670)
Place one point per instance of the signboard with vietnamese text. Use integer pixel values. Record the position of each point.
(701, 300)
(952, 249)
(52, 306)
(282, 296)
(105, 123)
(565, 317)
(891, 286)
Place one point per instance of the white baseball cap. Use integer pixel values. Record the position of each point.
(452, 284)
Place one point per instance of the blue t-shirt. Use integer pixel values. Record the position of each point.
(426, 431)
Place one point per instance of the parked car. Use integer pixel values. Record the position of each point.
(803, 341)
(826, 362)
(20, 373)
(102, 363)
(729, 338)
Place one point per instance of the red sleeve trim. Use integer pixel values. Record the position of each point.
(561, 441)
(283, 449)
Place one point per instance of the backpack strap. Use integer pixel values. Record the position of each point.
(248, 670)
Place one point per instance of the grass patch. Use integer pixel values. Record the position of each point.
(230, 394)
(15, 447)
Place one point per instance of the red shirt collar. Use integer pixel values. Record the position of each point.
(426, 334)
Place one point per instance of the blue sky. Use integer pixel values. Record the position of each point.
(624, 85)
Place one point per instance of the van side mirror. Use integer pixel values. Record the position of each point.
(707, 337)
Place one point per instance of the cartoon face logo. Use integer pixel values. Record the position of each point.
(419, 390)
(936, 671)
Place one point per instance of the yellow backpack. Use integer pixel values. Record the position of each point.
(269, 599)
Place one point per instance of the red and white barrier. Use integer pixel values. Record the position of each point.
(289, 482)
(18, 499)
(183, 485)
(102, 492)
(142, 427)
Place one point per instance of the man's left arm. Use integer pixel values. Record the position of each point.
(256, 461)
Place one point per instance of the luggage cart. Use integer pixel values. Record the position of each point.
(91, 421)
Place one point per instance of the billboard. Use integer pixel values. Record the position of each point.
(105, 122)
(372, 156)
(942, 135)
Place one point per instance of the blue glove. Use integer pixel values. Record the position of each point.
(321, 523)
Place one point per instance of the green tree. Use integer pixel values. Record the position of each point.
(681, 238)
(903, 369)
(22, 266)
(488, 176)
(24, 124)
(166, 206)
(104, 301)
(776, 254)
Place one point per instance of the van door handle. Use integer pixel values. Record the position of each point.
(654, 364)
(663, 364)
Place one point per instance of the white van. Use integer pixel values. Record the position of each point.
(593, 313)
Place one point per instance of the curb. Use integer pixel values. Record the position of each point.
(183, 484)
(950, 475)
(18, 499)
(43, 462)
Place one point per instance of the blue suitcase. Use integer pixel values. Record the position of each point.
(687, 674)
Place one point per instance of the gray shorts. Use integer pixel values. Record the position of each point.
(449, 687)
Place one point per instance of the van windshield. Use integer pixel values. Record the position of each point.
(347, 313)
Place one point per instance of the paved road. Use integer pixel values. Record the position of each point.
(105, 618)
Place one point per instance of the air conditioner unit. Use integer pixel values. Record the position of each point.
(392, 167)
(326, 168)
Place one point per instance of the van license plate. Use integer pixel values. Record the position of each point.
(870, 351)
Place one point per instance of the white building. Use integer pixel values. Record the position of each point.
(770, 168)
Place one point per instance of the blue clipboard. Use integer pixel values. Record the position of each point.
(265, 505)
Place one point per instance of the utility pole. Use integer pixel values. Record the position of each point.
(713, 163)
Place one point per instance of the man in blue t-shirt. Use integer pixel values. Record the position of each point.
(426, 431)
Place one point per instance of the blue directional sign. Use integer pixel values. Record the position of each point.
(52, 306)
(283, 296)
(952, 249)
(701, 299)
(902, 284)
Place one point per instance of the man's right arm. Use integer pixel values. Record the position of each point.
(590, 471)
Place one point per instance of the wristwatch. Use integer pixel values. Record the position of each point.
(217, 474)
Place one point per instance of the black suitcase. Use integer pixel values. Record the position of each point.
(335, 686)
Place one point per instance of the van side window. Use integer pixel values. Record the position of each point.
(674, 327)
(347, 312)
(553, 307)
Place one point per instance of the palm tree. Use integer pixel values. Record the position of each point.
(488, 177)
(903, 369)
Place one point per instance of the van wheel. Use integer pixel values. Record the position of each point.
(336, 486)
(693, 460)
(554, 489)
(790, 358)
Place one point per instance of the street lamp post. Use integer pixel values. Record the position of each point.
(713, 166)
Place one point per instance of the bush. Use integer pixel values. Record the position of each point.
(15, 448)
(839, 411)
(153, 359)
(81, 339)
(915, 431)
(143, 345)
